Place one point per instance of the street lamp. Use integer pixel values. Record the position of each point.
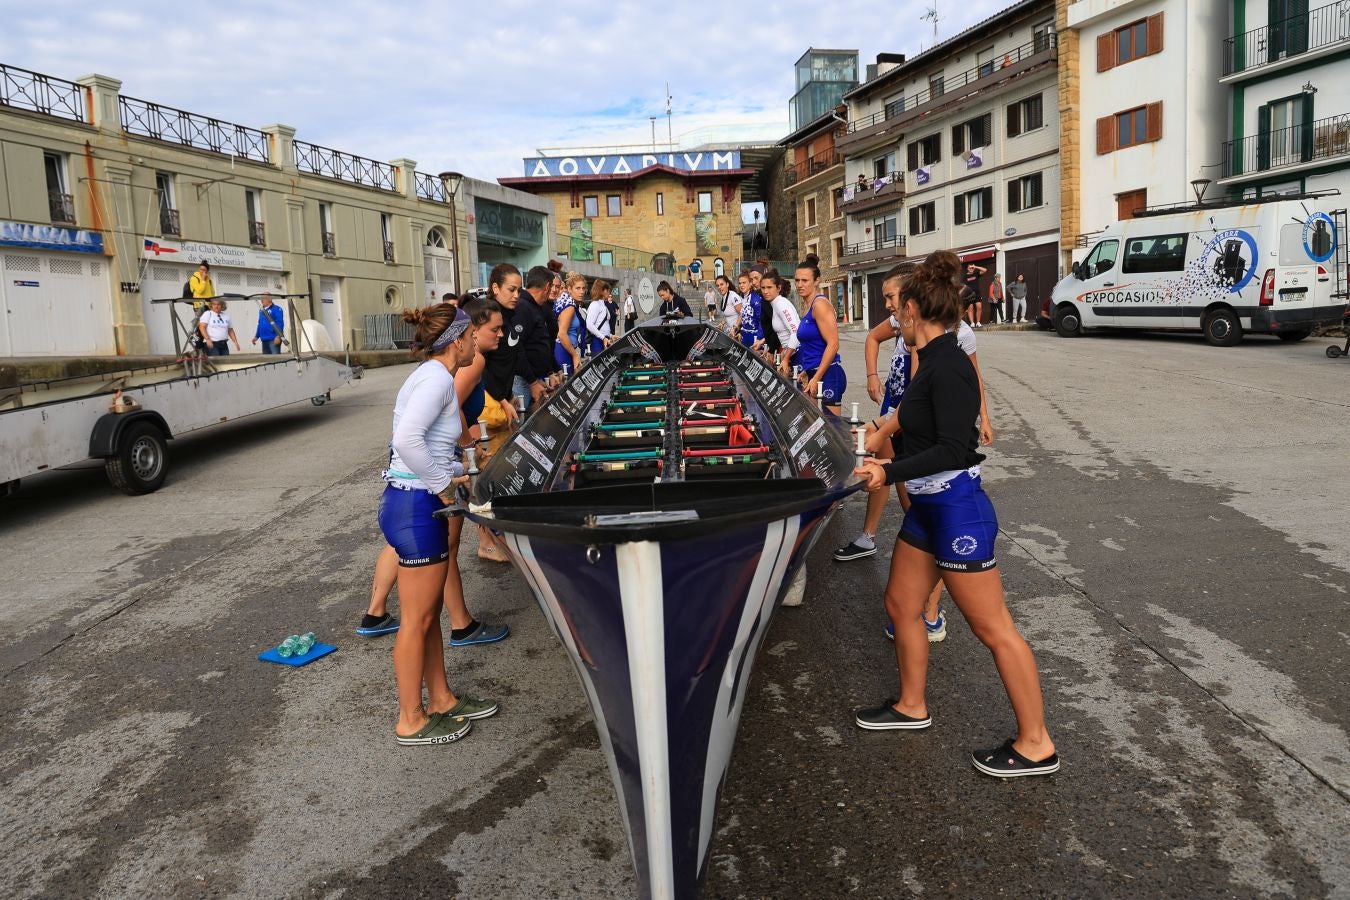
(452, 181)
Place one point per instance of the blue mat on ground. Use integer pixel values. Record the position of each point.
(314, 653)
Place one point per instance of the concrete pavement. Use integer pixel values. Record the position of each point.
(1175, 550)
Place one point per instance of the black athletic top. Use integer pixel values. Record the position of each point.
(534, 356)
(937, 416)
(499, 366)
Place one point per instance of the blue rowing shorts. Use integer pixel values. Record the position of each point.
(832, 384)
(408, 525)
(955, 523)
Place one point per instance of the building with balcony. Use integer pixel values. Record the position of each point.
(957, 148)
(1150, 113)
(108, 203)
(1284, 67)
(814, 170)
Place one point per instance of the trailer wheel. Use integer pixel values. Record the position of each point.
(1333, 352)
(1066, 321)
(1292, 337)
(141, 460)
(1222, 328)
(319, 400)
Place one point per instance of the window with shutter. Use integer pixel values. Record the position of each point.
(1155, 33)
(1015, 196)
(958, 139)
(1262, 139)
(1306, 128)
(1153, 128)
(1106, 134)
(913, 152)
(1013, 113)
(986, 130)
(1106, 51)
(1035, 113)
(959, 210)
(914, 220)
(1037, 190)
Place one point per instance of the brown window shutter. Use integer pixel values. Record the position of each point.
(913, 155)
(1153, 122)
(1106, 134)
(958, 139)
(1155, 33)
(1013, 117)
(1106, 51)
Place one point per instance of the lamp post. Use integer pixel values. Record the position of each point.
(452, 181)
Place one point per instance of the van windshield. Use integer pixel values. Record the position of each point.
(1101, 259)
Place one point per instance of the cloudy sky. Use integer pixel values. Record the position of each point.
(468, 86)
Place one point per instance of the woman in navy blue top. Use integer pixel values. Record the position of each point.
(949, 529)
(818, 336)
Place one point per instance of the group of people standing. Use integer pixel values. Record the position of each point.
(802, 342)
(1005, 306)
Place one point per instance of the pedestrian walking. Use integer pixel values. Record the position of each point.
(629, 310)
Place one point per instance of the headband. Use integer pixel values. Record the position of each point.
(452, 332)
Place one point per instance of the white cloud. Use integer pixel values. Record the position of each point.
(468, 86)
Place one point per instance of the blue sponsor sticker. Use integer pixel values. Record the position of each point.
(26, 284)
(1319, 237)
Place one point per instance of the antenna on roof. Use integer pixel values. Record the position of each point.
(932, 14)
(670, 141)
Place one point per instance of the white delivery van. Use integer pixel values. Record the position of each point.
(1276, 266)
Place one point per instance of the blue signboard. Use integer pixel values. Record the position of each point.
(627, 164)
(50, 237)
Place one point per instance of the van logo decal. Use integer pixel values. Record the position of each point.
(1319, 237)
(1230, 260)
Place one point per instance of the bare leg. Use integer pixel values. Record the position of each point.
(913, 574)
(930, 607)
(386, 573)
(876, 501)
(416, 658)
(979, 596)
(453, 593)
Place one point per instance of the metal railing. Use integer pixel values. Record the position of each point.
(388, 251)
(1287, 38)
(40, 93)
(330, 163)
(176, 126)
(1280, 148)
(875, 244)
(168, 222)
(257, 234)
(429, 187)
(62, 207)
(953, 83)
(329, 244)
(813, 166)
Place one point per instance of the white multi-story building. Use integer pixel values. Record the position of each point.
(1150, 107)
(958, 148)
(1284, 72)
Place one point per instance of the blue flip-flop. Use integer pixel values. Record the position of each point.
(373, 627)
(483, 634)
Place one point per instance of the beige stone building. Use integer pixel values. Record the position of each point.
(815, 177)
(656, 212)
(108, 203)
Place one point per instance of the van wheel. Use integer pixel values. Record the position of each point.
(1222, 328)
(141, 460)
(1294, 336)
(1066, 321)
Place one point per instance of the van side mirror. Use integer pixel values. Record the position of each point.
(1078, 271)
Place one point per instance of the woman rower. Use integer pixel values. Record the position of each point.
(421, 478)
(818, 336)
(571, 324)
(950, 529)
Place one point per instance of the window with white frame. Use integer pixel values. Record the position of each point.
(60, 202)
(257, 232)
(923, 218)
(705, 201)
(1025, 115)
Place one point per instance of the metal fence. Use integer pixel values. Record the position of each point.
(1286, 38)
(40, 93)
(176, 126)
(330, 163)
(386, 331)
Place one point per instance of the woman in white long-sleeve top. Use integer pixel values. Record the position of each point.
(422, 476)
(597, 318)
